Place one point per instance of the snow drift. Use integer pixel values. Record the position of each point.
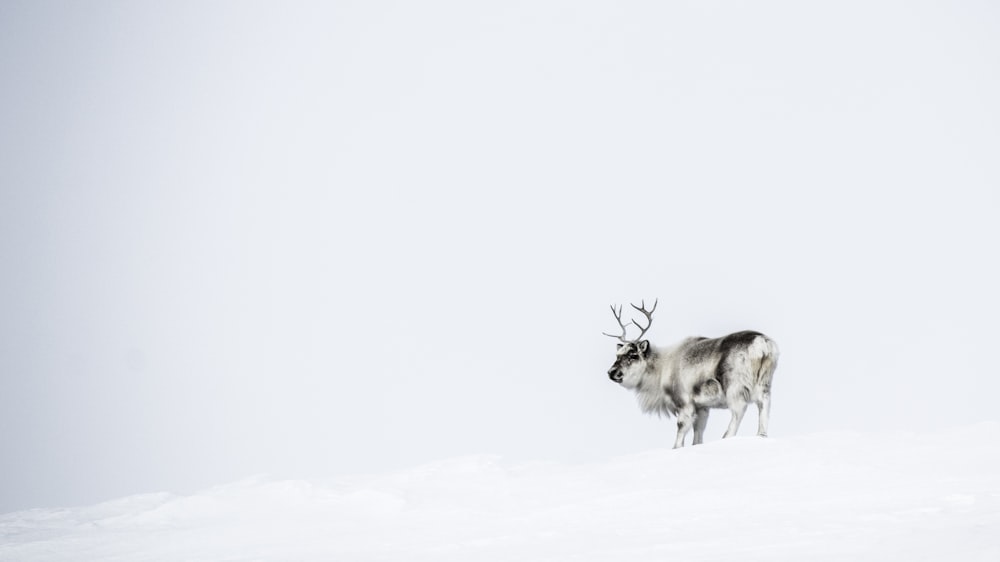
(831, 496)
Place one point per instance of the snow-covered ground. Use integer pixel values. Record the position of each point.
(833, 496)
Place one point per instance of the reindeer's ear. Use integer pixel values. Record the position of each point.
(621, 345)
(643, 346)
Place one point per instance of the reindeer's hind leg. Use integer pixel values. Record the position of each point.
(738, 407)
(763, 412)
(700, 421)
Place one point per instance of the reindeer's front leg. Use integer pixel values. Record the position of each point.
(685, 419)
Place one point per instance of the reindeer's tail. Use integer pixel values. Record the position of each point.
(764, 358)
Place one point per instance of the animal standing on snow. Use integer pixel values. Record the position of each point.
(689, 378)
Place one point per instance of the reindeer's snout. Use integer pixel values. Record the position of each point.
(614, 374)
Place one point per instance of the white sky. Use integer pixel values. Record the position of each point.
(240, 238)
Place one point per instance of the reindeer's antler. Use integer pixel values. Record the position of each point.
(649, 317)
(618, 317)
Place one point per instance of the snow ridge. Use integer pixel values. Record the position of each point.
(829, 496)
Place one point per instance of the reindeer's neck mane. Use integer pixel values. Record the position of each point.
(652, 397)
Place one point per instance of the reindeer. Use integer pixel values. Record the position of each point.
(695, 375)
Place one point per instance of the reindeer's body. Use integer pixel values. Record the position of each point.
(689, 378)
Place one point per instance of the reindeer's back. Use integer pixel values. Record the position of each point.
(746, 358)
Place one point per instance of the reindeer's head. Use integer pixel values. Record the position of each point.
(633, 355)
